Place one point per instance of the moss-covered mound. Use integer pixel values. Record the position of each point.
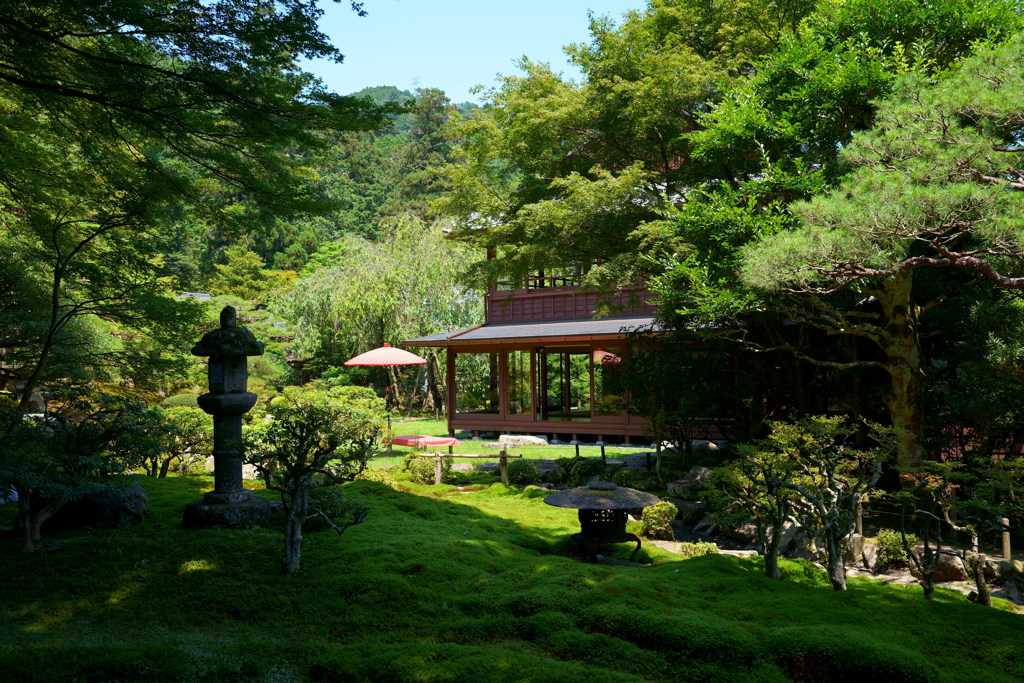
(447, 585)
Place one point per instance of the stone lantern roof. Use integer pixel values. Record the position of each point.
(229, 340)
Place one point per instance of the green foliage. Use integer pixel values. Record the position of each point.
(564, 173)
(697, 549)
(179, 400)
(406, 286)
(622, 477)
(891, 553)
(656, 519)
(421, 470)
(522, 472)
(331, 501)
(49, 461)
(244, 276)
(381, 476)
(170, 114)
(186, 437)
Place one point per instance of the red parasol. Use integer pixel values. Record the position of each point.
(387, 355)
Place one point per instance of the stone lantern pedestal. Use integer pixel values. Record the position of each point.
(229, 504)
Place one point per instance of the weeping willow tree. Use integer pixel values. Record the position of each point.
(407, 285)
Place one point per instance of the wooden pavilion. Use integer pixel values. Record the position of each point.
(542, 364)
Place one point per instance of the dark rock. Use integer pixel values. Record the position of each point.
(691, 486)
(708, 525)
(109, 507)
(552, 475)
(744, 533)
(689, 511)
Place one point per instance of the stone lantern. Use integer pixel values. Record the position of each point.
(229, 504)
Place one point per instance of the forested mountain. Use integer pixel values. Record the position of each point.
(381, 94)
(368, 178)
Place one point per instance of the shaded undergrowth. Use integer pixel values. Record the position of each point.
(445, 585)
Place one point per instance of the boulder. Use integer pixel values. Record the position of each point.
(706, 445)
(522, 440)
(855, 553)
(691, 486)
(950, 569)
(738, 553)
(462, 467)
(869, 556)
(108, 507)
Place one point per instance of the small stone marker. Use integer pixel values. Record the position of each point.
(229, 504)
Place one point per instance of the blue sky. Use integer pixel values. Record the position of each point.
(452, 44)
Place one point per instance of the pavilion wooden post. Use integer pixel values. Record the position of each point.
(504, 467)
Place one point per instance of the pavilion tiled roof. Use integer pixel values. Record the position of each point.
(544, 331)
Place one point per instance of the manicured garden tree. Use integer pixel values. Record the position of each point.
(832, 479)
(754, 488)
(54, 459)
(186, 435)
(967, 498)
(806, 472)
(315, 439)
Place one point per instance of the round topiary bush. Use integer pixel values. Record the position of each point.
(522, 473)
(656, 520)
(181, 400)
(421, 470)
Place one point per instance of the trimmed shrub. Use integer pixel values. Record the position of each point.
(181, 400)
(656, 520)
(421, 470)
(890, 549)
(697, 549)
(522, 472)
(622, 477)
(378, 475)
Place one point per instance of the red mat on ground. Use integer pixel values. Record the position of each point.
(420, 441)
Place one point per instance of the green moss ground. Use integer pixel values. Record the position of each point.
(441, 585)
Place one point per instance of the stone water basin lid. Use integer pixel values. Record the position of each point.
(601, 495)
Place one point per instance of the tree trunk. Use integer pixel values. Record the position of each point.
(836, 561)
(293, 530)
(902, 348)
(984, 598)
(165, 466)
(928, 584)
(24, 516)
(435, 395)
(771, 553)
